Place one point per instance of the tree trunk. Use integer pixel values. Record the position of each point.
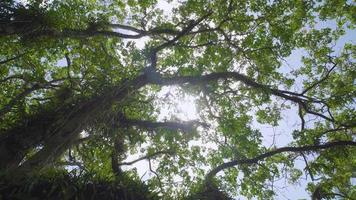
(55, 133)
(15, 143)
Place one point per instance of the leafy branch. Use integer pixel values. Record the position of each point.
(263, 156)
(148, 156)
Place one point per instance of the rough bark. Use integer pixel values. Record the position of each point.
(54, 132)
(15, 143)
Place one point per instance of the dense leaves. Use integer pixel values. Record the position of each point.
(94, 86)
(61, 185)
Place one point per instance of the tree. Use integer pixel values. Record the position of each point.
(77, 89)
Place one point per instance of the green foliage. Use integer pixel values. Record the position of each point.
(59, 184)
(82, 83)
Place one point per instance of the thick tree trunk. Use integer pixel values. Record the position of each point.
(18, 27)
(55, 133)
(15, 143)
(19, 20)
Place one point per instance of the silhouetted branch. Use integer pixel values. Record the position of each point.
(186, 30)
(11, 59)
(16, 76)
(300, 113)
(201, 79)
(320, 81)
(148, 156)
(307, 166)
(71, 163)
(183, 126)
(155, 173)
(260, 157)
(23, 94)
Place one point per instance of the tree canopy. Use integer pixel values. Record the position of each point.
(81, 89)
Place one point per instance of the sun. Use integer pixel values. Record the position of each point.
(174, 103)
(187, 109)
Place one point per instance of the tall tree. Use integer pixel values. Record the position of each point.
(81, 80)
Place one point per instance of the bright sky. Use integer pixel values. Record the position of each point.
(175, 103)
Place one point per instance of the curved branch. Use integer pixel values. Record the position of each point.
(300, 113)
(126, 27)
(153, 31)
(7, 108)
(71, 163)
(11, 59)
(16, 76)
(254, 160)
(307, 166)
(155, 173)
(151, 70)
(183, 126)
(179, 80)
(85, 33)
(148, 156)
(185, 31)
(77, 33)
(320, 81)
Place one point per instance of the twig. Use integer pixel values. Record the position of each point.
(148, 156)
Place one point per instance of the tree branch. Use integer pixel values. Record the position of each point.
(150, 71)
(11, 59)
(300, 113)
(319, 81)
(148, 156)
(18, 97)
(155, 173)
(179, 80)
(254, 160)
(126, 27)
(7, 108)
(71, 163)
(186, 30)
(16, 76)
(84, 33)
(307, 166)
(183, 126)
